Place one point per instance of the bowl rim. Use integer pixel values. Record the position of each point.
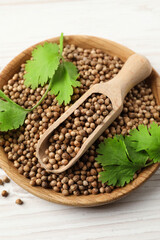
(49, 194)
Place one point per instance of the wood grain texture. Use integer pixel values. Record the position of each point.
(91, 200)
(131, 23)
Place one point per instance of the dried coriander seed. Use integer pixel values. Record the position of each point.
(4, 193)
(1, 182)
(19, 201)
(6, 179)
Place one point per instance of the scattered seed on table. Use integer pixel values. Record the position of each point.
(6, 179)
(4, 193)
(1, 182)
(19, 201)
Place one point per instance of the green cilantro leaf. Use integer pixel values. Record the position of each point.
(43, 65)
(140, 137)
(12, 116)
(147, 139)
(63, 82)
(109, 152)
(139, 158)
(118, 175)
(119, 160)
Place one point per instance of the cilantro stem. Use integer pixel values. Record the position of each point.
(148, 164)
(42, 98)
(61, 44)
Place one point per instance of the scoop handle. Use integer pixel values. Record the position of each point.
(135, 70)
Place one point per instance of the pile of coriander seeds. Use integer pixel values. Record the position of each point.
(82, 179)
(69, 137)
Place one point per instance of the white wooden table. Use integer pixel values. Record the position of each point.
(135, 24)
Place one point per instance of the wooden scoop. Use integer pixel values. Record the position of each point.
(135, 70)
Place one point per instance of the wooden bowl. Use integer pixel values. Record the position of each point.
(111, 48)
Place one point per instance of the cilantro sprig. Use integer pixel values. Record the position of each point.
(47, 65)
(121, 157)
